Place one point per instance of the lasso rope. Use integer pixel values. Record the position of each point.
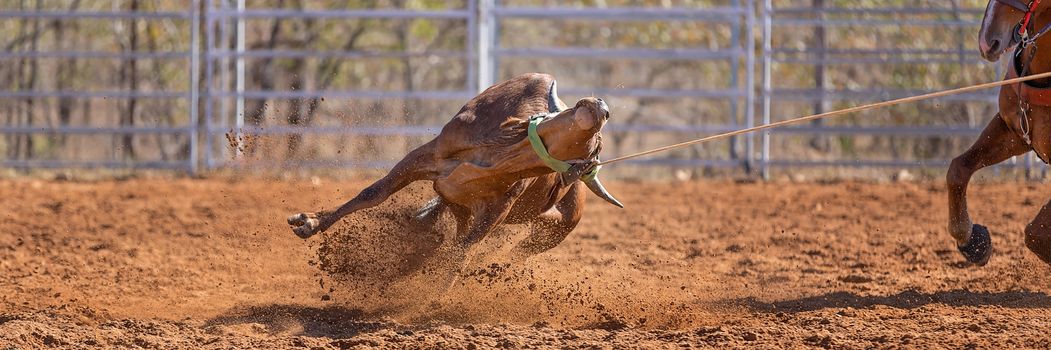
(834, 113)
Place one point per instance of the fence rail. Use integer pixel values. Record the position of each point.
(763, 41)
(187, 54)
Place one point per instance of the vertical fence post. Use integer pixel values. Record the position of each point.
(486, 36)
(494, 43)
(749, 107)
(223, 46)
(209, 68)
(735, 81)
(195, 86)
(471, 46)
(767, 55)
(821, 105)
(240, 105)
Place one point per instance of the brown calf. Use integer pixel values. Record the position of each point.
(486, 173)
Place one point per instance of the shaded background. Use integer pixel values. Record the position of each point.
(356, 84)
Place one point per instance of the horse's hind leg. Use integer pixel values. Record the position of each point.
(996, 144)
(417, 165)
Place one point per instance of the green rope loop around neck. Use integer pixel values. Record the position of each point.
(557, 165)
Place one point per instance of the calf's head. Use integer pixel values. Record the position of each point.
(577, 129)
(590, 114)
(575, 133)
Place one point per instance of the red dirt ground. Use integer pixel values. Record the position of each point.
(210, 263)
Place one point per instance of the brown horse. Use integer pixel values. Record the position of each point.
(1022, 124)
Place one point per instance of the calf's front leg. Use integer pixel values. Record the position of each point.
(417, 165)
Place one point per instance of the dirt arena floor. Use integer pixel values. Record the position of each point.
(210, 263)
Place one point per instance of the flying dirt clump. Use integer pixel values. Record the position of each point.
(378, 261)
(240, 143)
(379, 245)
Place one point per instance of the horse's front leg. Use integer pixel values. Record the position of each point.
(1038, 234)
(996, 144)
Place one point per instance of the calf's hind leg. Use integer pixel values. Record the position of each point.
(430, 213)
(551, 227)
(996, 144)
(473, 224)
(417, 165)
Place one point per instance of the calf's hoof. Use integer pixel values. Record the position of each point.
(979, 248)
(304, 225)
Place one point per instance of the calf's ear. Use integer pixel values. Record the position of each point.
(554, 105)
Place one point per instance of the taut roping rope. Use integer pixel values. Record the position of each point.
(835, 113)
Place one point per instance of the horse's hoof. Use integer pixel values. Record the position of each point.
(979, 248)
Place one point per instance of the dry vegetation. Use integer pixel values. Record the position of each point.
(428, 69)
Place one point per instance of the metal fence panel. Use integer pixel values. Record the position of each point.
(805, 65)
(946, 34)
(733, 56)
(226, 83)
(35, 102)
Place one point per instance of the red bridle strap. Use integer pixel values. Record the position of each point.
(1028, 17)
